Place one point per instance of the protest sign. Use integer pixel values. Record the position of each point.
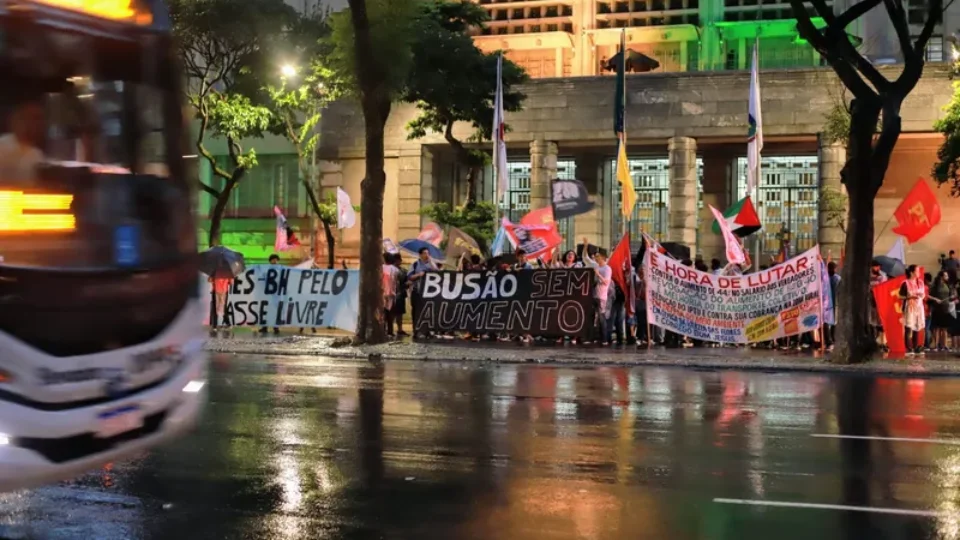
(278, 296)
(782, 301)
(550, 303)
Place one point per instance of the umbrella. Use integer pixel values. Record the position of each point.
(414, 246)
(890, 266)
(221, 263)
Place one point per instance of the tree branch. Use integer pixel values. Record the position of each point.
(855, 12)
(934, 17)
(883, 148)
(898, 18)
(202, 150)
(842, 50)
(209, 189)
(843, 67)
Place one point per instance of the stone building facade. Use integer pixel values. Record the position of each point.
(686, 128)
(686, 145)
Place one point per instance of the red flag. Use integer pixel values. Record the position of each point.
(890, 310)
(536, 234)
(918, 213)
(621, 267)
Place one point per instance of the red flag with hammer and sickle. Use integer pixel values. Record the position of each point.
(918, 213)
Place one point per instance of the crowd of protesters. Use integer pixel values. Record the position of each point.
(615, 325)
(929, 307)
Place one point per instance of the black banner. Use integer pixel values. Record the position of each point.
(550, 303)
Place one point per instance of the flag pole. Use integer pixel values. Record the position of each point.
(497, 137)
(759, 141)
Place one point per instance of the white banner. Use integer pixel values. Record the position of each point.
(782, 301)
(281, 296)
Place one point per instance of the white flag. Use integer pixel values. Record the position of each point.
(346, 217)
(898, 251)
(755, 129)
(735, 253)
(499, 128)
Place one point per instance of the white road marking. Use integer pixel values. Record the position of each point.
(873, 509)
(955, 442)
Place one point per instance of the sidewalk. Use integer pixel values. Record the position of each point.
(933, 365)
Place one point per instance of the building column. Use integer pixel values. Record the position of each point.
(589, 171)
(833, 197)
(543, 170)
(682, 222)
(716, 190)
(415, 184)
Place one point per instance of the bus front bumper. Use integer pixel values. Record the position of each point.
(77, 441)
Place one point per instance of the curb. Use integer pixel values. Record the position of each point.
(867, 369)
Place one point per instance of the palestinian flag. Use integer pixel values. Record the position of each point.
(742, 218)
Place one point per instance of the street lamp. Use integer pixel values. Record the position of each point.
(288, 71)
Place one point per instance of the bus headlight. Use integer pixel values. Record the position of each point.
(194, 386)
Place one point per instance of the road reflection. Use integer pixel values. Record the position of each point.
(308, 448)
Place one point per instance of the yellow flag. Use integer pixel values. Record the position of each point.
(628, 195)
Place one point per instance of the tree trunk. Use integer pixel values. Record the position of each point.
(216, 217)
(331, 255)
(375, 102)
(370, 327)
(855, 341)
(472, 176)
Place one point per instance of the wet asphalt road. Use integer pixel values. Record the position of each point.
(306, 448)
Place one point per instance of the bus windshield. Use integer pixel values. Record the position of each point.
(90, 166)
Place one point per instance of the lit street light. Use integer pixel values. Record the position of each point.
(288, 71)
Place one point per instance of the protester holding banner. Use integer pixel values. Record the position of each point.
(403, 286)
(877, 276)
(391, 281)
(417, 271)
(568, 260)
(602, 289)
(522, 262)
(911, 292)
(274, 261)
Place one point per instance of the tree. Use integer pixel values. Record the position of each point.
(875, 99)
(373, 54)
(298, 102)
(477, 220)
(451, 80)
(947, 167)
(222, 45)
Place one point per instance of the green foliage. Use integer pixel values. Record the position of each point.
(836, 124)
(328, 209)
(451, 80)
(391, 24)
(477, 220)
(946, 169)
(224, 47)
(834, 205)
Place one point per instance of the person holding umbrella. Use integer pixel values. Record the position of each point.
(221, 265)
